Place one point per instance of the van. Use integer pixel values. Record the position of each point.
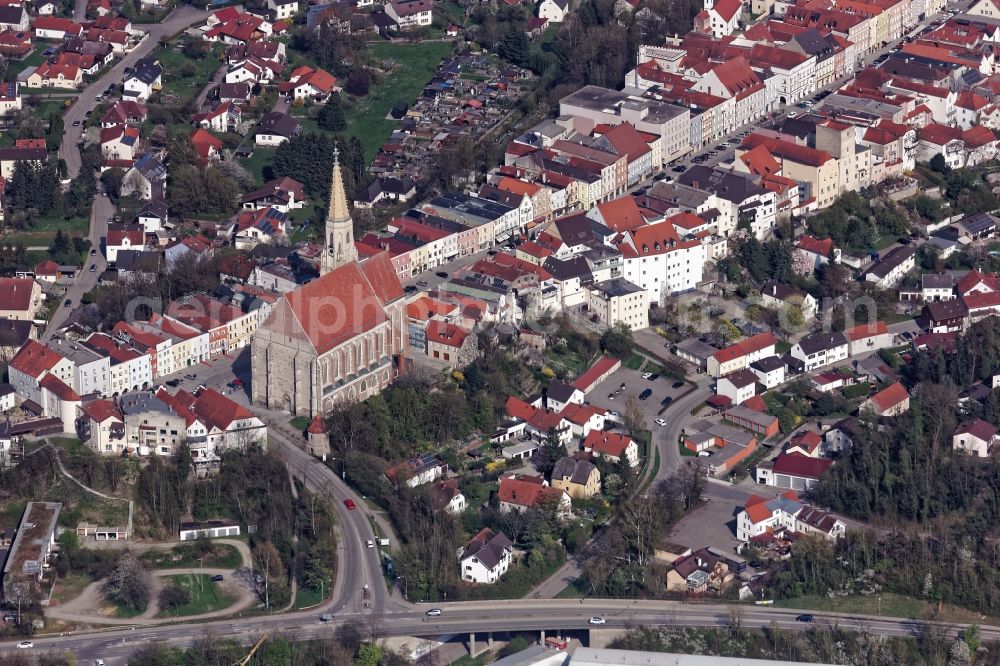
(325, 617)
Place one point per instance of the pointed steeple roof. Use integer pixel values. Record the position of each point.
(338, 198)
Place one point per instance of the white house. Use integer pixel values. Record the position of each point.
(821, 349)
(719, 18)
(776, 296)
(410, 13)
(283, 9)
(486, 557)
(739, 386)
(143, 80)
(417, 471)
(868, 338)
(657, 260)
(785, 513)
(975, 437)
(770, 371)
(555, 11)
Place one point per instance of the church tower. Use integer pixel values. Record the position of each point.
(339, 241)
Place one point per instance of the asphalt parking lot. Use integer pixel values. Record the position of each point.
(635, 385)
(711, 524)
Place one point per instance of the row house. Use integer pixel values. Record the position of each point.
(736, 79)
(737, 198)
(128, 369)
(228, 328)
(792, 75)
(741, 354)
(821, 349)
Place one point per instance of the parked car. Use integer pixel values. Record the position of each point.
(409, 289)
(93, 268)
(441, 274)
(325, 617)
(349, 503)
(680, 168)
(76, 123)
(645, 394)
(666, 401)
(218, 578)
(647, 375)
(369, 544)
(611, 396)
(704, 454)
(677, 384)
(67, 303)
(653, 377)
(25, 644)
(93, 251)
(173, 383)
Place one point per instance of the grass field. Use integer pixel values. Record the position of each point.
(888, 604)
(70, 587)
(634, 361)
(221, 556)
(416, 64)
(259, 164)
(299, 422)
(206, 596)
(174, 79)
(306, 597)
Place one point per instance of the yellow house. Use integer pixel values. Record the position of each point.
(579, 478)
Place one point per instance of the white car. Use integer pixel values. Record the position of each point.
(647, 375)
(596, 620)
(25, 644)
(434, 612)
(370, 543)
(660, 422)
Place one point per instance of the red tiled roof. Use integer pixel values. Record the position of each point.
(760, 161)
(601, 367)
(580, 414)
(756, 508)
(627, 140)
(862, 331)
(102, 410)
(737, 77)
(34, 359)
(788, 150)
(809, 440)
(59, 388)
(525, 491)
(607, 443)
(345, 302)
(218, 410)
(970, 100)
(444, 333)
(745, 347)
(622, 214)
(890, 396)
(756, 403)
(937, 134)
(814, 245)
(978, 136)
(727, 9)
(797, 464)
(977, 428)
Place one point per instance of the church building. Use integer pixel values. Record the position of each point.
(339, 338)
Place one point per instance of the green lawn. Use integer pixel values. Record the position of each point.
(299, 422)
(306, 597)
(685, 451)
(782, 347)
(416, 64)
(35, 58)
(259, 164)
(634, 361)
(220, 556)
(175, 82)
(124, 612)
(206, 596)
(887, 603)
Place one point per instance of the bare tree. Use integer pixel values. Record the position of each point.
(267, 562)
(129, 583)
(632, 417)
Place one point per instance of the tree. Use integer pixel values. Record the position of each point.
(331, 116)
(267, 563)
(174, 596)
(112, 180)
(129, 583)
(938, 164)
(369, 654)
(514, 45)
(358, 82)
(632, 416)
(549, 453)
(617, 341)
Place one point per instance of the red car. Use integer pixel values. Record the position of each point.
(349, 503)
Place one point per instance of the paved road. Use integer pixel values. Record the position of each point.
(460, 618)
(180, 19)
(100, 212)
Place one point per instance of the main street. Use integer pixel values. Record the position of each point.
(550, 616)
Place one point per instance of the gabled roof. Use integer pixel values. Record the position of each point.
(890, 396)
(977, 428)
(525, 490)
(35, 359)
(621, 214)
(727, 9)
(576, 470)
(218, 410)
(862, 331)
(797, 464)
(745, 347)
(368, 287)
(607, 443)
(59, 388)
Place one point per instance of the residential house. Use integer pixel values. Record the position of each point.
(793, 471)
(275, 128)
(741, 354)
(52, 75)
(451, 343)
(522, 492)
(612, 446)
(486, 557)
(947, 316)
(119, 143)
(770, 371)
(147, 178)
(816, 251)
(580, 479)
(777, 296)
(975, 437)
(868, 338)
(123, 237)
(417, 471)
(890, 401)
(553, 11)
(308, 83)
(410, 14)
(841, 435)
(819, 349)
(206, 146)
(703, 570)
(785, 514)
(444, 495)
(223, 117)
(143, 80)
(283, 194)
(738, 386)
(20, 298)
(890, 269)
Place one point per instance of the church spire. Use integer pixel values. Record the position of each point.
(339, 236)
